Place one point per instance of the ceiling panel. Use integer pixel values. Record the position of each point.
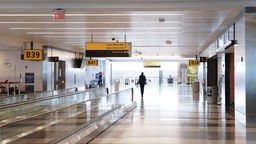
(188, 28)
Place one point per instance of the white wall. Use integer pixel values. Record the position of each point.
(240, 76)
(132, 70)
(17, 67)
(75, 77)
(91, 71)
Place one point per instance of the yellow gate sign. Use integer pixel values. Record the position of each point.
(35, 55)
(194, 62)
(91, 62)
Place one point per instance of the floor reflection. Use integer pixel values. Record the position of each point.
(172, 114)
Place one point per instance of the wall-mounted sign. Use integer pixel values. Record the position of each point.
(33, 54)
(194, 62)
(91, 62)
(203, 59)
(53, 59)
(108, 49)
(29, 78)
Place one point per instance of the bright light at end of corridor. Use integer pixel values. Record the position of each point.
(160, 57)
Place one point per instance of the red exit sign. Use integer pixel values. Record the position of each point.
(59, 15)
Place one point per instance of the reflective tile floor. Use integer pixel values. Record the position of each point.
(170, 114)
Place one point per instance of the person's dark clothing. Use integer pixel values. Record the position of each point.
(100, 81)
(142, 82)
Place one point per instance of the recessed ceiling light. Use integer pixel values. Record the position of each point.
(168, 42)
(161, 20)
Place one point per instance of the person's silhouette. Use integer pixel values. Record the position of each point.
(100, 79)
(142, 82)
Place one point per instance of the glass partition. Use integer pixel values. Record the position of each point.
(41, 95)
(59, 117)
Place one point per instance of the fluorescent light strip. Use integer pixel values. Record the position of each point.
(25, 15)
(153, 56)
(88, 36)
(104, 39)
(55, 33)
(61, 36)
(73, 42)
(75, 28)
(104, 34)
(128, 14)
(60, 22)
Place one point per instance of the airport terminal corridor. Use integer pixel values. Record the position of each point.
(171, 114)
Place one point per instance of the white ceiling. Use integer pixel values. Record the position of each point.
(190, 25)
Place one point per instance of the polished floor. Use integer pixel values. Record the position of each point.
(170, 114)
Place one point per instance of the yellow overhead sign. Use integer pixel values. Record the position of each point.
(194, 62)
(91, 62)
(33, 55)
(108, 49)
(108, 46)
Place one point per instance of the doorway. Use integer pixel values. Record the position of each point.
(59, 75)
(212, 72)
(229, 83)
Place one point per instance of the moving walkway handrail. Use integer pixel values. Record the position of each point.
(110, 109)
(3, 106)
(25, 116)
(39, 92)
(91, 123)
(22, 98)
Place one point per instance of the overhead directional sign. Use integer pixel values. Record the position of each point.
(194, 62)
(155, 64)
(108, 49)
(35, 55)
(91, 62)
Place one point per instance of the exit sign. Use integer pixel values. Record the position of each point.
(59, 15)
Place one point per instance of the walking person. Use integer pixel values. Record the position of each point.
(100, 79)
(142, 82)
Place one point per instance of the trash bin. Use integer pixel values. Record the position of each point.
(126, 81)
(117, 83)
(195, 88)
(212, 93)
(93, 84)
(2, 89)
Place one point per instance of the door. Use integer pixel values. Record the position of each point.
(59, 75)
(212, 72)
(229, 83)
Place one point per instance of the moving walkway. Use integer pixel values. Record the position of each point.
(72, 118)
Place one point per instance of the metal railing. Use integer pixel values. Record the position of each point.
(8, 100)
(87, 107)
